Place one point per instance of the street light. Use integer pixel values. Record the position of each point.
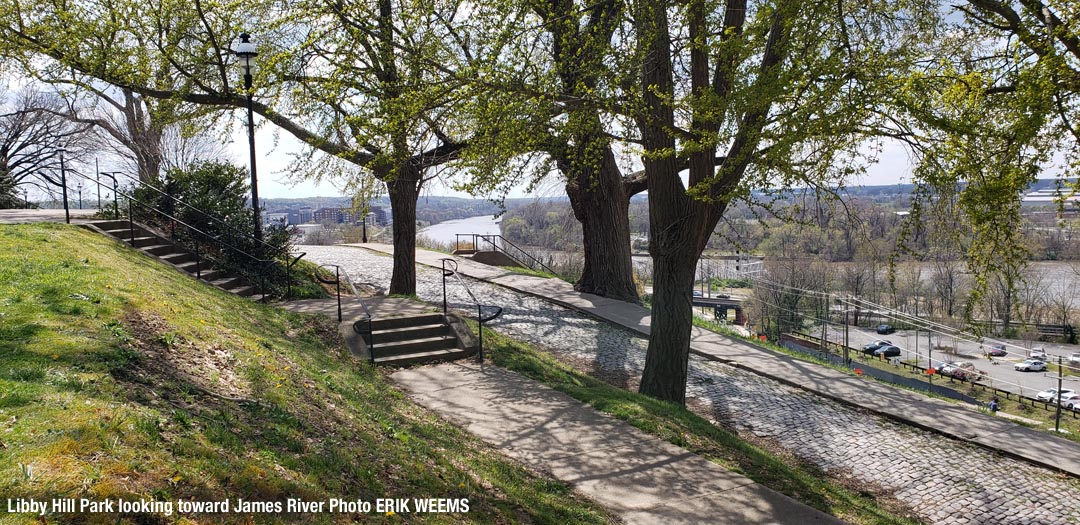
(116, 205)
(80, 194)
(26, 198)
(245, 51)
(63, 186)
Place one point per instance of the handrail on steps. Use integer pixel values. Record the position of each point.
(500, 244)
(361, 326)
(449, 268)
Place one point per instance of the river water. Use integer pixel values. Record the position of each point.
(444, 232)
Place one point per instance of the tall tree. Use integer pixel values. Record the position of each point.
(786, 88)
(32, 132)
(344, 78)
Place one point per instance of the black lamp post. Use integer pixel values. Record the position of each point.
(63, 186)
(245, 51)
(80, 194)
(26, 198)
(116, 204)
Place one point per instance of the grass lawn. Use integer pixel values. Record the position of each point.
(122, 378)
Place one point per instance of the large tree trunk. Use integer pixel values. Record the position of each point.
(672, 319)
(601, 204)
(404, 189)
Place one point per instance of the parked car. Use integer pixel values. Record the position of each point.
(870, 347)
(1040, 354)
(997, 351)
(887, 351)
(962, 370)
(947, 369)
(1074, 358)
(1070, 401)
(1052, 394)
(1030, 365)
(885, 329)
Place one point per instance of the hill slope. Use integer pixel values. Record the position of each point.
(122, 378)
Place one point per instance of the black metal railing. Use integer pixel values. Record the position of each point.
(262, 244)
(498, 243)
(449, 269)
(362, 326)
(262, 264)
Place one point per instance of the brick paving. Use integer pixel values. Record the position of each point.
(941, 479)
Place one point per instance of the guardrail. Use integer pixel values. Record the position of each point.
(449, 269)
(501, 244)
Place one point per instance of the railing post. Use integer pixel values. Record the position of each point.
(371, 341)
(337, 271)
(131, 224)
(480, 323)
(443, 286)
(198, 261)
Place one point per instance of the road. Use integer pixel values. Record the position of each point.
(1003, 375)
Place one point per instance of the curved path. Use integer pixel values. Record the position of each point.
(942, 479)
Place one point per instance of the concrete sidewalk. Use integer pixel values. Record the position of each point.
(950, 419)
(645, 480)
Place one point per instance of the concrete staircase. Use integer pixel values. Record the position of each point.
(409, 340)
(165, 250)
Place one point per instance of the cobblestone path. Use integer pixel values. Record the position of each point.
(943, 480)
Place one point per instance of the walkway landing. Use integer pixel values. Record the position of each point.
(950, 419)
(645, 480)
(31, 216)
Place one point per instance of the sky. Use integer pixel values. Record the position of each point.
(273, 156)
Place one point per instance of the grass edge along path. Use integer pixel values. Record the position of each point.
(683, 428)
(120, 377)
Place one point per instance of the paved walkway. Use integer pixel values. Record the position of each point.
(645, 480)
(942, 480)
(950, 419)
(28, 216)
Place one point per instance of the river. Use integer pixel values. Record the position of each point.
(444, 232)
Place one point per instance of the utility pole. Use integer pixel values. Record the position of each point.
(929, 358)
(825, 326)
(1057, 416)
(847, 360)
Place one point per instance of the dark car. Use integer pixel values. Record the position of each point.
(869, 348)
(885, 328)
(998, 351)
(887, 351)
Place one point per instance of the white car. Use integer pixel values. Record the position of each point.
(1074, 358)
(1040, 354)
(1030, 365)
(1070, 401)
(1052, 394)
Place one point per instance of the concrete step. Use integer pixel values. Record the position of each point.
(173, 257)
(145, 241)
(409, 333)
(162, 250)
(211, 274)
(110, 225)
(225, 283)
(125, 234)
(242, 291)
(422, 357)
(192, 266)
(390, 323)
(414, 346)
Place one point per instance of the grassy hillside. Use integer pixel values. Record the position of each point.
(122, 378)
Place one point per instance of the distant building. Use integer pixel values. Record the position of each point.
(300, 216)
(275, 218)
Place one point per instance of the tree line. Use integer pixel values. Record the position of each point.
(705, 104)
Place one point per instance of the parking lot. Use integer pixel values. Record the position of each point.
(1000, 370)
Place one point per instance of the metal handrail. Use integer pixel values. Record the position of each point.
(449, 268)
(131, 232)
(367, 330)
(191, 207)
(520, 255)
